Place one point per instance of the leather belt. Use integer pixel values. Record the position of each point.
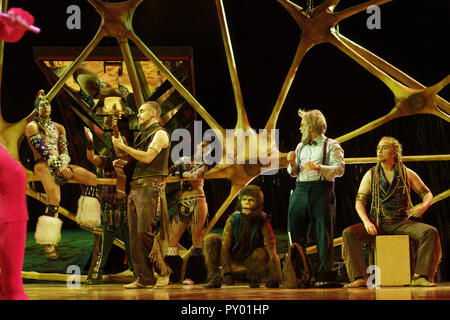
(148, 181)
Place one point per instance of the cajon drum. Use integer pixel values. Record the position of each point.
(393, 260)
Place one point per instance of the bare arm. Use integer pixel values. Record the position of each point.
(422, 190)
(95, 159)
(161, 140)
(197, 172)
(361, 200)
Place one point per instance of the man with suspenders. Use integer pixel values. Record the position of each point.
(316, 162)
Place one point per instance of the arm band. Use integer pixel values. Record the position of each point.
(362, 197)
(38, 144)
(63, 150)
(155, 146)
(423, 191)
(90, 145)
(54, 163)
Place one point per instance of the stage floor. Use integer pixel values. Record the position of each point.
(115, 291)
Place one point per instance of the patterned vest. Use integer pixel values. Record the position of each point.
(159, 165)
(393, 198)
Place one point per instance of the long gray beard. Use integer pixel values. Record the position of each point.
(305, 137)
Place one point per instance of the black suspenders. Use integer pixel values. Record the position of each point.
(324, 156)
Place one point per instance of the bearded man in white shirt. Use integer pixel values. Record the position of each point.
(316, 162)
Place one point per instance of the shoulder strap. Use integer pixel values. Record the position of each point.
(324, 155)
(324, 151)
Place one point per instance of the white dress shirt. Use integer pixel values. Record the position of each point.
(334, 160)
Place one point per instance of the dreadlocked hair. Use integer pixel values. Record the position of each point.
(402, 173)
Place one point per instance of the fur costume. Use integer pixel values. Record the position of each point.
(88, 213)
(248, 241)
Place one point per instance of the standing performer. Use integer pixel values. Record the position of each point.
(316, 162)
(52, 166)
(13, 181)
(192, 210)
(147, 197)
(388, 185)
(114, 216)
(13, 226)
(247, 240)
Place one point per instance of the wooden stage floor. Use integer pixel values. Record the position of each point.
(115, 291)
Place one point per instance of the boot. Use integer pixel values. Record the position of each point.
(50, 252)
(215, 281)
(196, 269)
(48, 231)
(175, 263)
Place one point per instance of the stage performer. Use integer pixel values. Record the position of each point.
(13, 181)
(388, 185)
(247, 240)
(192, 211)
(147, 197)
(316, 162)
(114, 215)
(13, 226)
(48, 142)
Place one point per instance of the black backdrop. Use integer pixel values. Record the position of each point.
(413, 37)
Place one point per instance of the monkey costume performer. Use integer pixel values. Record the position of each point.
(247, 240)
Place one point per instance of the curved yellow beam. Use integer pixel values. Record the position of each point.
(242, 121)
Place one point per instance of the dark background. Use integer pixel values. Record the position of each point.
(413, 37)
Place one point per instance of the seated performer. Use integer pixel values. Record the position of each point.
(192, 210)
(52, 166)
(114, 216)
(388, 185)
(247, 240)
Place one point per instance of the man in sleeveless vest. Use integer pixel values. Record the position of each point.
(388, 186)
(147, 199)
(247, 240)
(316, 162)
(49, 144)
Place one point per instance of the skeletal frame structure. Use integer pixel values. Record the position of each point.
(317, 25)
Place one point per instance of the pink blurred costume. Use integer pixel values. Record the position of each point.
(13, 28)
(13, 226)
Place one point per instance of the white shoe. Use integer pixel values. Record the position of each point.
(161, 281)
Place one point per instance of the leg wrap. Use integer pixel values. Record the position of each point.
(48, 228)
(175, 263)
(257, 263)
(196, 268)
(88, 214)
(211, 249)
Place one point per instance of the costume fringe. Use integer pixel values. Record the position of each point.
(48, 230)
(88, 213)
(157, 260)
